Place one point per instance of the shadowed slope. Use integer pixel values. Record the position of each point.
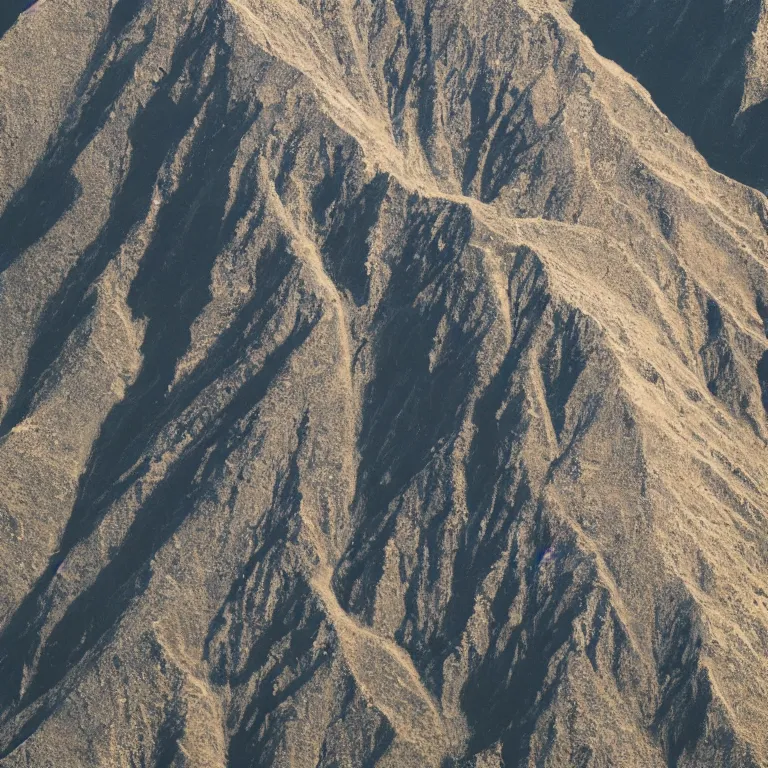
(705, 66)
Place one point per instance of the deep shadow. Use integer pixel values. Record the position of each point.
(347, 211)
(513, 682)
(499, 418)
(52, 188)
(18, 640)
(170, 733)
(411, 409)
(171, 288)
(172, 284)
(762, 377)
(93, 616)
(564, 360)
(11, 11)
(692, 59)
(685, 691)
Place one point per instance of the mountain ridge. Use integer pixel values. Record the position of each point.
(460, 390)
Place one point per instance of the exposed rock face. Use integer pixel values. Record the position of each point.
(383, 383)
(705, 64)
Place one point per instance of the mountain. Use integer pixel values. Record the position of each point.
(383, 383)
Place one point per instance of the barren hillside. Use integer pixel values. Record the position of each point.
(382, 383)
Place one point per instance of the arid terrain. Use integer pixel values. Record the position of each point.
(383, 383)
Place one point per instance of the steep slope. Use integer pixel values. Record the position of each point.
(705, 64)
(383, 384)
